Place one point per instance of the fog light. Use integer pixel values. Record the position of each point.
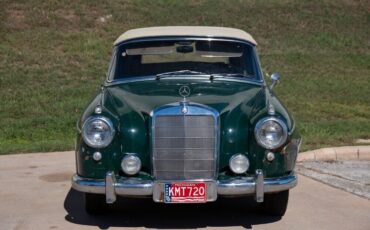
(239, 163)
(270, 156)
(131, 164)
(97, 156)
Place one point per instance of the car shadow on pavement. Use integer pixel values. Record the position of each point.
(226, 212)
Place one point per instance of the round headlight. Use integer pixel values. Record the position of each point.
(271, 133)
(98, 132)
(239, 163)
(131, 164)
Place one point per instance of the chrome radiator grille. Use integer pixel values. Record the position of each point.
(184, 147)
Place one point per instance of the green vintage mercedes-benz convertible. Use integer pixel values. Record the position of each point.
(185, 116)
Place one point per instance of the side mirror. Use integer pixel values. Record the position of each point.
(275, 77)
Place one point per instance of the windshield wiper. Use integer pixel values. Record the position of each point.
(184, 72)
(218, 75)
(211, 76)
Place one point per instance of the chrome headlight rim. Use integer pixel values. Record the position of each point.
(105, 120)
(279, 122)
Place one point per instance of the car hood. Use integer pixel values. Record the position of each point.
(227, 97)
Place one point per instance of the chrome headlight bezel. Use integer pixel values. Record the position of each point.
(111, 131)
(258, 128)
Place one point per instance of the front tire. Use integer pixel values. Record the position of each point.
(95, 204)
(275, 204)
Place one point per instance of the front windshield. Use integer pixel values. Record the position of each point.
(193, 57)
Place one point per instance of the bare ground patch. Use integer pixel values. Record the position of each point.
(16, 18)
(68, 20)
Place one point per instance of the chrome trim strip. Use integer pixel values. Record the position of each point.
(299, 144)
(244, 186)
(88, 185)
(140, 187)
(122, 187)
(78, 126)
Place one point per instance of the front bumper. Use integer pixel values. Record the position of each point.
(112, 187)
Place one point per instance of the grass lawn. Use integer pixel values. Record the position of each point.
(54, 55)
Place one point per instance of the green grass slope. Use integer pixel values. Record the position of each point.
(54, 55)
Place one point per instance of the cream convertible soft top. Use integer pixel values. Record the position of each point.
(201, 31)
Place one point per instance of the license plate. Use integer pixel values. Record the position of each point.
(185, 192)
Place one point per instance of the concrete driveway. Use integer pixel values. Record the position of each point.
(35, 194)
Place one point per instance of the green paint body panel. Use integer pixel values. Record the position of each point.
(240, 105)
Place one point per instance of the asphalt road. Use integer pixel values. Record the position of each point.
(35, 194)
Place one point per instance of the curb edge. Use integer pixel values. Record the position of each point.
(360, 152)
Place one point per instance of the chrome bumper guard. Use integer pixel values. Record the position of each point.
(112, 187)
